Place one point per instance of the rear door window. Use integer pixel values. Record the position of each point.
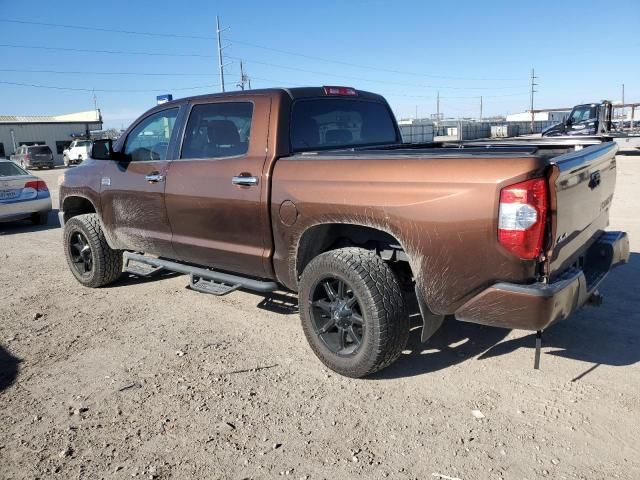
(217, 130)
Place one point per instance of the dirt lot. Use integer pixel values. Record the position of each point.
(148, 379)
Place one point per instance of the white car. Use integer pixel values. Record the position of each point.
(22, 195)
(78, 151)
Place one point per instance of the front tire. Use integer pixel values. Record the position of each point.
(353, 311)
(91, 260)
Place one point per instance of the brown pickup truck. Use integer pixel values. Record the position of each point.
(311, 190)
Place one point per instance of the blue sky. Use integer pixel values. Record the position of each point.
(582, 51)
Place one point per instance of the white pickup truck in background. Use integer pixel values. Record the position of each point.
(78, 151)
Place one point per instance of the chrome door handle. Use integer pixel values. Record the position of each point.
(154, 177)
(246, 181)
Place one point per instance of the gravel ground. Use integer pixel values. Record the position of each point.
(148, 379)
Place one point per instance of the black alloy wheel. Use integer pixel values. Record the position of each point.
(337, 316)
(80, 253)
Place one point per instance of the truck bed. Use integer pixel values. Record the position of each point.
(451, 194)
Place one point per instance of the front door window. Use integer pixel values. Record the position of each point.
(149, 140)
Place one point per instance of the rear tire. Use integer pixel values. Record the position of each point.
(91, 260)
(366, 329)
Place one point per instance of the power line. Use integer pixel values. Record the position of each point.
(107, 30)
(466, 96)
(117, 52)
(122, 52)
(254, 45)
(287, 82)
(86, 72)
(351, 77)
(55, 87)
(108, 90)
(368, 67)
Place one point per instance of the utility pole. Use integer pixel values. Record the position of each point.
(220, 66)
(438, 108)
(533, 90)
(480, 107)
(244, 78)
(623, 105)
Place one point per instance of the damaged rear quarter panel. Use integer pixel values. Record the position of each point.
(442, 211)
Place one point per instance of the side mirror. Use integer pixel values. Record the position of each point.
(102, 149)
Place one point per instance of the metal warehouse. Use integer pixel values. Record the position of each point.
(56, 131)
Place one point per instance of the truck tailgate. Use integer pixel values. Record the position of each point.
(582, 185)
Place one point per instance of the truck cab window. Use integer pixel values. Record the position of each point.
(582, 114)
(329, 123)
(217, 130)
(149, 140)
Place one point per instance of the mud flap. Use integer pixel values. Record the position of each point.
(430, 321)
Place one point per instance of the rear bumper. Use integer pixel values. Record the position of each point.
(39, 162)
(20, 210)
(536, 306)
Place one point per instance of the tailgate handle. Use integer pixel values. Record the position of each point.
(594, 181)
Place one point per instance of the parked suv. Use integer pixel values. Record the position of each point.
(33, 156)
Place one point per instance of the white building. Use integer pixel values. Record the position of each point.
(56, 131)
(555, 117)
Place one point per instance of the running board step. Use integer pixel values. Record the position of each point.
(203, 285)
(141, 269)
(217, 283)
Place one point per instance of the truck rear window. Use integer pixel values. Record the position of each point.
(329, 123)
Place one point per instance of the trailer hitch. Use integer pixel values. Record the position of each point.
(595, 299)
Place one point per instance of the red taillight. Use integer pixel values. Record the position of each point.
(38, 185)
(522, 217)
(340, 91)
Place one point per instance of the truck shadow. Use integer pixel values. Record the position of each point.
(127, 279)
(24, 226)
(8, 369)
(454, 343)
(602, 336)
